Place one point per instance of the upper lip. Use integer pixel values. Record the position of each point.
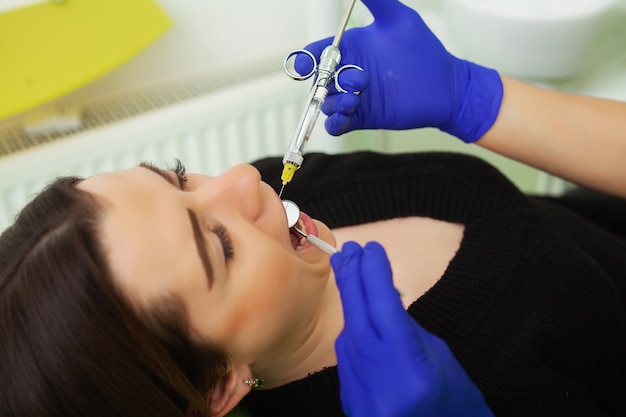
(309, 225)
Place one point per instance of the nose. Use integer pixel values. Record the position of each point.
(239, 188)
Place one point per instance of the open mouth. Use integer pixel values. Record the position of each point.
(306, 225)
(297, 240)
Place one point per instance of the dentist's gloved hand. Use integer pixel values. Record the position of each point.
(413, 80)
(388, 364)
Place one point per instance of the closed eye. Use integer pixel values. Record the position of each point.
(225, 240)
(178, 169)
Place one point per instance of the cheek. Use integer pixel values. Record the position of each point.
(263, 305)
(265, 293)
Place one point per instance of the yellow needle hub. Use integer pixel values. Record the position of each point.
(288, 170)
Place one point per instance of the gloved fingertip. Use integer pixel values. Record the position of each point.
(376, 264)
(353, 80)
(373, 247)
(384, 11)
(351, 247)
(336, 259)
(347, 103)
(344, 260)
(337, 124)
(375, 250)
(303, 64)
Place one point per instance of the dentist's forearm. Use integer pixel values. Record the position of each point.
(578, 138)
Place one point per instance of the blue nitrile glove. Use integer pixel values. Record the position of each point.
(413, 80)
(388, 364)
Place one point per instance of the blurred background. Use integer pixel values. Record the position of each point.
(88, 86)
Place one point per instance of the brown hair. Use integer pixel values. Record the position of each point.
(71, 344)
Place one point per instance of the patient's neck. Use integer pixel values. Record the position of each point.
(309, 349)
(419, 250)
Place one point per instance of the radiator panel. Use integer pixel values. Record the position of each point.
(208, 133)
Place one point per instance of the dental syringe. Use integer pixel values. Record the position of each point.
(325, 71)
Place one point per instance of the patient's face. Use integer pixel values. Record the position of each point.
(242, 281)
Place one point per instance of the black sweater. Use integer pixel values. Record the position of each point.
(531, 304)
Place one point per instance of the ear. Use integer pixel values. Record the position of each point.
(228, 394)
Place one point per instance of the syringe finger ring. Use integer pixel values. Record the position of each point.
(290, 67)
(346, 67)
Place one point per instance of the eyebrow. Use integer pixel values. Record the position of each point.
(160, 172)
(198, 236)
(201, 246)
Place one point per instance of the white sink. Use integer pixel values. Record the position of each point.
(528, 39)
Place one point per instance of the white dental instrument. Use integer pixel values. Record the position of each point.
(324, 72)
(317, 242)
(293, 216)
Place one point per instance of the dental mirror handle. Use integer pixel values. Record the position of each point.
(317, 242)
(321, 245)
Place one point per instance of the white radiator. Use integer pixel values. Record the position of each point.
(210, 122)
(209, 132)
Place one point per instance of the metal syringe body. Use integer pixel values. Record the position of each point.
(294, 156)
(329, 60)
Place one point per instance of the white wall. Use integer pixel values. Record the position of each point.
(207, 34)
(210, 33)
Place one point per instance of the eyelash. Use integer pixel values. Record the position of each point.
(219, 229)
(225, 240)
(181, 172)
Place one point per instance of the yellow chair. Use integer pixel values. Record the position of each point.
(49, 49)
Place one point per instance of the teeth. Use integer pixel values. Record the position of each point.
(301, 244)
(300, 225)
